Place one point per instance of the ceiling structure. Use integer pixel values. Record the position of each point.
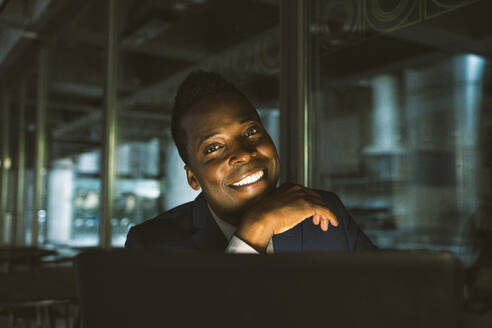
(162, 41)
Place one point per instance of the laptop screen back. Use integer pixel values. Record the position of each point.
(395, 289)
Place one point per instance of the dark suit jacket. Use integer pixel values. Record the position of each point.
(191, 227)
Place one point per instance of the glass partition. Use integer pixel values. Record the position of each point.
(75, 89)
(399, 97)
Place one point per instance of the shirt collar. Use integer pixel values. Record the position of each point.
(227, 229)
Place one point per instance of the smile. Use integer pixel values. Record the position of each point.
(249, 179)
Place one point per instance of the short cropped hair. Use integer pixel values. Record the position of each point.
(197, 85)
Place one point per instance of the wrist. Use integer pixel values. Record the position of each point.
(256, 232)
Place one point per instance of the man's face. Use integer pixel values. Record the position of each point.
(230, 154)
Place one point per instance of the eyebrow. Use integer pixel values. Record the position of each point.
(213, 134)
(207, 137)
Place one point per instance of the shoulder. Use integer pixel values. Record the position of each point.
(336, 206)
(332, 200)
(325, 194)
(355, 237)
(172, 225)
(178, 216)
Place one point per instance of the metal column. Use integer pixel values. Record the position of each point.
(110, 112)
(40, 159)
(6, 163)
(294, 117)
(21, 167)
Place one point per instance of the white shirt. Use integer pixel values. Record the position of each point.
(236, 244)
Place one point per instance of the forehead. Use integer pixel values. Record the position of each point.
(216, 114)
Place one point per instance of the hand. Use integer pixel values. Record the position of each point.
(281, 210)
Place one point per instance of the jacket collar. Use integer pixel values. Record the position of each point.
(208, 235)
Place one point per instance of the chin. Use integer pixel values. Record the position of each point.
(257, 197)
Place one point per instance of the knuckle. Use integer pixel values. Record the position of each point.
(297, 187)
(305, 198)
(301, 202)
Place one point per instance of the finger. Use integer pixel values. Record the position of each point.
(300, 190)
(324, 224)
(316, 219)
(283, 188)
(286, 185)
(291, 186)
(315, 206)
(324, 212)
(310, 207)
(313, 193)
(311, 196)
(313, 201)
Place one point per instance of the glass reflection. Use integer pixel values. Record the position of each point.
(400, 119)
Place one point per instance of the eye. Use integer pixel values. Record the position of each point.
(211, 148)
(251, 131)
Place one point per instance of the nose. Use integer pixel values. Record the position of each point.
(242, 154)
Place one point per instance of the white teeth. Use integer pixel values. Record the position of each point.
(249, 179)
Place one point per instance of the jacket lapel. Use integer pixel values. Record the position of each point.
(207, 235)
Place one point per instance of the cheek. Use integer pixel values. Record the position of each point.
(268, 150)
(212, 174)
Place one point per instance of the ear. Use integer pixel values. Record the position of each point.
(192, 179)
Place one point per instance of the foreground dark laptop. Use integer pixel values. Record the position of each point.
(396, 289)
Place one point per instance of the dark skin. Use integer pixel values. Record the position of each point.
(233, 160)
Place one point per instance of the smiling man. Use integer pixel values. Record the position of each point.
(232, 159)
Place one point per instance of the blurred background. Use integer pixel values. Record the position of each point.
(386, 103)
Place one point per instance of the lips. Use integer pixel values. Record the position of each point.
(248, 178)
